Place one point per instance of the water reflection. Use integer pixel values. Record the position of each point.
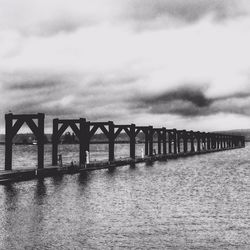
(9, 211)
(40, 191)
(83, 178)
(111, 170)
(58, 179)
(132, 165)
(149, 163)
(11, 193)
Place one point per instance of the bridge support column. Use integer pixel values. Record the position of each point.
(178, 142)
(151, 146)
(159, 138)
(192, 140)
(8, 142)
(146, 141)
(170, 142)
(215, 142)
(84, 140)
(218, 142)
(111, 141)
(40, 140)
(198, 138)
(164, 141)
(244, 142)
(211, 141)
(208, 141)
(236, 141)
(132, 141)
(175, 140)
(185, 141)
(55, 143)
(203, 141)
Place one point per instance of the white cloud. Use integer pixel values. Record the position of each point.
(101, 62)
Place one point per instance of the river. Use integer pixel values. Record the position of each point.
(199, 202)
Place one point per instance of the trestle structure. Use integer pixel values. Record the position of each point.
(11, 130)
(170, 142)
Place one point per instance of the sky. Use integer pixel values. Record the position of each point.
(181, 64)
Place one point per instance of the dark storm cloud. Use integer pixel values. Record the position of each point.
(192, 95)
(65, 97)
(192, 101)
(33, 93)
(185, 11)
(31, 86)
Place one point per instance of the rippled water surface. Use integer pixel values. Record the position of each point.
(200, 202)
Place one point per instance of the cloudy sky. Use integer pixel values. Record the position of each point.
(181, 63)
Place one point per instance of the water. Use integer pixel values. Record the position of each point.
(25, 156)
(200, 202)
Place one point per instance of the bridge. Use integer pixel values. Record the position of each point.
(171, 144)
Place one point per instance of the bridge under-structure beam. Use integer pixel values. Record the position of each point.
(12, 129)
(159, 132)
(131, 132)
(108, 128)
(145, 131)
(82, 132)
(172, 140)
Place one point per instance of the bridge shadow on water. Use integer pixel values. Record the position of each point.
(57, 179)
(10, 191)
(40, 189)
(83, 178)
